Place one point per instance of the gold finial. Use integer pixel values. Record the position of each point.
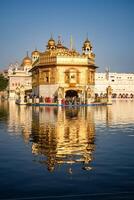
(51, 35)
(59, 39)
(71, 42)
(87, 35)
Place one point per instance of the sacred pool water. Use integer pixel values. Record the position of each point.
(67, 153)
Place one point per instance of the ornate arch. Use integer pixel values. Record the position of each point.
(72, 75)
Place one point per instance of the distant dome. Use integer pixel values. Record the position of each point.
(27, 60)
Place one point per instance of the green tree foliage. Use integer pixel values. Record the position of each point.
(3, 83)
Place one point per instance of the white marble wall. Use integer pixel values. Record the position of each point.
(121, 83)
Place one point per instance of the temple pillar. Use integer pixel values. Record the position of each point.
(90, 95)
(60, 96)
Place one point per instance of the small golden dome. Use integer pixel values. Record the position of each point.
(35, 53)
(87, 44)
(51, 43)
(27, 60)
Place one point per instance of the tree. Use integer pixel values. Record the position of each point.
(3, 83)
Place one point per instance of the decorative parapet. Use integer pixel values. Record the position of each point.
(72, 60)
(47, 60)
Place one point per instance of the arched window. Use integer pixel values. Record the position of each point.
(72, 76)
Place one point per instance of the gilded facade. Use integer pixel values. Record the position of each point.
(62, 72)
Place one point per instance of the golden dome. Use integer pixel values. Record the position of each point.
(35, 53)
(27, 60)
(51, 43)
(87, 44)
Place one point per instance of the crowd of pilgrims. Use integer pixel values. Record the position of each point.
(66, 101)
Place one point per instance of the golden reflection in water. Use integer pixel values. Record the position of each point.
(63, 135)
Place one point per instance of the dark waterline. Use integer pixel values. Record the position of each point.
(67, 153)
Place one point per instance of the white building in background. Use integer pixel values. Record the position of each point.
(19, 76)
(122, 84)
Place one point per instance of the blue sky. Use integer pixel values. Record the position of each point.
(28, 24)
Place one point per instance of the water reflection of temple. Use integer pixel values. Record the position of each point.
(63, 136)
(19, 121)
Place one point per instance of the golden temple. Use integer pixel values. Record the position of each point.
(61, 72)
